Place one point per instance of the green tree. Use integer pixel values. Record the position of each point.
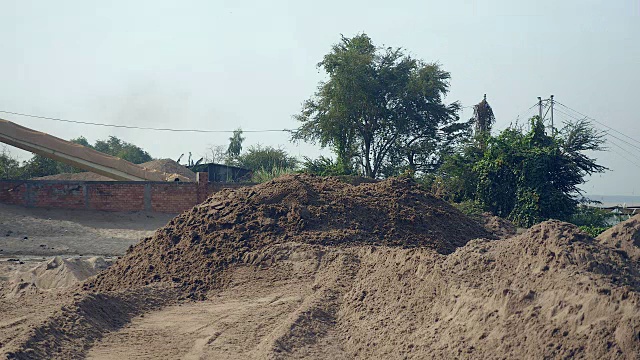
(456, 180)
(39, 166)
(267, 159)
(380, 108)
(81, 141)
(9, 166)
(235, 144)
(116, 147)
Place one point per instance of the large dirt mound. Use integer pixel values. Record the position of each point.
(498, 226)
(169, 166)
(195, 246)
(624, 236)
(552, 292)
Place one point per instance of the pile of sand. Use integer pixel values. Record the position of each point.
(502, 228)
(624, 236)
(195, 246)
(309, 267)
(551, 292)
(167, 166)
(55, 273)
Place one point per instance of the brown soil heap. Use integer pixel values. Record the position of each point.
(624, 236)
(498, 226)
(169, 166)
(195, 246)
(552, 292)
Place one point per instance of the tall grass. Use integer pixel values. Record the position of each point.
(263, 175)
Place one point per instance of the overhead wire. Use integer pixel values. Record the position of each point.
(598, 122)
(139, 127)
(610, 141)
(623, 156)
(587, 118)
(523, 113)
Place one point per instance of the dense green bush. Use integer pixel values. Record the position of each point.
(591, 216)
(594, 231)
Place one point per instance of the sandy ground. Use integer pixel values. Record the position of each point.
(26, 232)
(30, 239)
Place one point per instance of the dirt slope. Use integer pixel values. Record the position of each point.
(169, 166)
(624, 236)
(552, 292)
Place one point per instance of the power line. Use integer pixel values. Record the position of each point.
(519, 115)
(140, 127)
(594, 120)
(608, 133)
(610, 140)
(622, 156)
(633, 154)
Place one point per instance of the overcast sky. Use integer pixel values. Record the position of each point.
(220, 65)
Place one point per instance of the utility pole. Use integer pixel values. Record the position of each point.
(552, 128)
(540, 107)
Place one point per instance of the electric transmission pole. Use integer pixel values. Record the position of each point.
(540, 107)
(552, 128)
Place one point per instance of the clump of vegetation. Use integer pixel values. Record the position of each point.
(9, 165)
(592, 220)
(524, 176)
(593, 231)
(264, 175)
(323, 166)
(469, 208)
(267, 158)
(591, 216)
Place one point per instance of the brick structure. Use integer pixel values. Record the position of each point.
(166, 197)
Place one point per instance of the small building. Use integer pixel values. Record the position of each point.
(223, 173)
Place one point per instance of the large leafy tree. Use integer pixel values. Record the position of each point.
(380, 108)
(122, 149)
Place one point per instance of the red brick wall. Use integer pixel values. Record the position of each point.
(173, 197)
(116, 196)
(167, 197)
(13, 192)
(69, 196)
